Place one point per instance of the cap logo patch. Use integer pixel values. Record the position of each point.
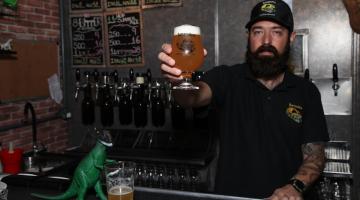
(268, 8)
(294, 112)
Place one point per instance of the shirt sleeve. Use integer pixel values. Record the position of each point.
(314, 125)
(216, 79)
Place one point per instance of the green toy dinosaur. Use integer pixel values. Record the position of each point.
(87, 173)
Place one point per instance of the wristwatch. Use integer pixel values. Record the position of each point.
(298, 185)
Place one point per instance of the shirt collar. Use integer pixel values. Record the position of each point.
(288, 81)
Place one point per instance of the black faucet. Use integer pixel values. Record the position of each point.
(28, 106)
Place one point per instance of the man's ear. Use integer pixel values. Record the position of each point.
(292, 36)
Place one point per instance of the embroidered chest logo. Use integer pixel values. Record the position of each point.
(294, 112)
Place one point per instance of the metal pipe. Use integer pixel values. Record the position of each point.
(28, 106)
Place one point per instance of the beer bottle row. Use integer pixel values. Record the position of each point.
(132, 97)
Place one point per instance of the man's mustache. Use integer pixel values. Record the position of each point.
(268, 48)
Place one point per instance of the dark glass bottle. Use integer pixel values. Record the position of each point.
(88, 107)
(140, 107)
(157, 108)
(177, 115)
(125, 107)
(106, 108)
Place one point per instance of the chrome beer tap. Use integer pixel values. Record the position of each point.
(96, 79)
(335, 79)
(77, 84)
(116, 83)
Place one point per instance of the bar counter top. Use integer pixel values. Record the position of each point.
(17, 191)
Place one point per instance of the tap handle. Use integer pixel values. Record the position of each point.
(77, 75)
(96, 76)
(131, 75)
(116, 76)
(148, 75)
(307, 74)
(335, 73)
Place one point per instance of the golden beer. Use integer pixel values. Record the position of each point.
(121, 193)
(187, 49)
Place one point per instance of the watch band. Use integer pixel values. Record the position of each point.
(298, 185)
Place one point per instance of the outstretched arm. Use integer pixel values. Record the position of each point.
(310, 170)
(353, 9)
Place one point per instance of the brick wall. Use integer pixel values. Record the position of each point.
(52, 133)
(35, 20)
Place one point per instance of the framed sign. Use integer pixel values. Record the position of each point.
(124, 39)
(160, 3)
(87, 41)
(299, 60)
(115, 4)
(85, 6)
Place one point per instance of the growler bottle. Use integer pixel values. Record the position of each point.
(157, 108)
(177, 115)
(140, 108)
(87, 107)
(106, 107)
(125, 106)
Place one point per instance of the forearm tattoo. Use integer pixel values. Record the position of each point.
(313, 162)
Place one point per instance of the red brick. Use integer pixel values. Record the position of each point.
(26, 23)
(9, 108)
(24, 8)
(43, 25)
(35, 17)
(17, 29)
(4, 117)
(37, 3)
(36, 31)
(7, 20)
(55, 26)
(5, 28)
(55, 13)
(51, 6)
(50, 19)
(42, 11)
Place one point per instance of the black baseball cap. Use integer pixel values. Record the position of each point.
(274, 10)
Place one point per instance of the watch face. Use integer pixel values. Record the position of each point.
(298, 185)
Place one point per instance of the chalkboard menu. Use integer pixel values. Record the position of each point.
(157, 3)
(121, 3)
(87, 40)
(124, 38)
(82, 5)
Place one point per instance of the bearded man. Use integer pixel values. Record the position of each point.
(271, 122)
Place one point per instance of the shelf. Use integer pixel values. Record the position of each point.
(8, 52)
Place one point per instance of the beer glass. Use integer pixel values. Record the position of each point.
(188, 53)
(120, 180)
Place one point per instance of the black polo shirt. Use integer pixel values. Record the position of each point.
(261, 130)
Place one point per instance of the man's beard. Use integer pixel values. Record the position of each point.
(267, 67)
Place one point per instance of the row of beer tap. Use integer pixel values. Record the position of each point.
(134, 97)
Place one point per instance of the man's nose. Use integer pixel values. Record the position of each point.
(267, 39)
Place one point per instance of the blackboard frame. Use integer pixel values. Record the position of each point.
(108, 55)
(163, 3)
(100, 16)
(116, 8)
(87, 10)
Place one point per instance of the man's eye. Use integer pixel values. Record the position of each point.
(278, 33)
(257, 32)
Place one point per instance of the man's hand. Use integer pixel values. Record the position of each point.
(168, 63)
(287, 192)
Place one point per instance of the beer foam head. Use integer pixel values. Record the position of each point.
(187, 29)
